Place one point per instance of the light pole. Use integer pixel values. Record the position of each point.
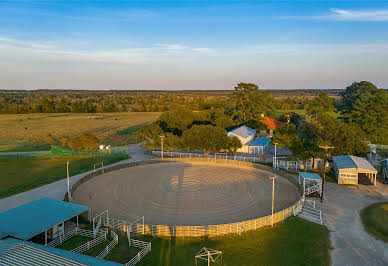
(275, 155)
(273, 195)
(161, 138)
(326, 148)
(68, 181)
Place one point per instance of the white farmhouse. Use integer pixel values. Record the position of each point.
(250, 144)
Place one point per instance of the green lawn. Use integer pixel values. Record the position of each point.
(122, 253)
(375, 220)
(292, 242)
(22, 174)
(74, 242)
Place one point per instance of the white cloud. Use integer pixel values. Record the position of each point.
(169, 46)
(23, 43)
(346, 15)
(358, 15)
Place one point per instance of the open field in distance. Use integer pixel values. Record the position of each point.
(113, 128)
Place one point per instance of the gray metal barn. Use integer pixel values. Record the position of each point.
(350, 169)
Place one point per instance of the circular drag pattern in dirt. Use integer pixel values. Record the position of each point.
(186, 193)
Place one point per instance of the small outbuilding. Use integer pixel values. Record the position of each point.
(354, 170)
(312, 182)
(39, 221)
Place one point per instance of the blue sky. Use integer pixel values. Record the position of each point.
(192, 44)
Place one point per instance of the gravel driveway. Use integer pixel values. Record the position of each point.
(340, 209)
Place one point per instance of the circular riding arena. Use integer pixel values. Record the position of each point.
(186, 193)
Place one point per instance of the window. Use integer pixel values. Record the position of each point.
(347, 175)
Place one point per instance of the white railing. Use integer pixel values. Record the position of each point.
(95, 166)
(146, 247)
(253, 159)
(76, 231)
(110, 246)
(62, 238)
(90, 244)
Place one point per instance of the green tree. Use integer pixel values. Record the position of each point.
(50, 139)
(250, 103)
(321, 104)
(366, 105)
(64, 140)
(176, 121)
(233, 144)
(207, 138)
(286, 136)
(172, 141)
(150, 135)
(89, 142)
(75, 144)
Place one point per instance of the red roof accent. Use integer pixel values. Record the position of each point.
(272, 124)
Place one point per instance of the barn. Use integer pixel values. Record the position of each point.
(354, 170)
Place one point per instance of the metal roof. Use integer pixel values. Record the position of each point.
(310, 175)
(18, 252)
(243, 131)
(350, 161)
(31, 219)
(259, 141)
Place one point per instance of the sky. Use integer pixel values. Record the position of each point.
(192, 44)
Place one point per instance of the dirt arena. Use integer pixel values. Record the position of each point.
(186, 193)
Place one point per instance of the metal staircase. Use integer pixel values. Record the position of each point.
(307, 210)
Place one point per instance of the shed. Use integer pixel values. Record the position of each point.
(40, 220)
(350, 169)
(259, 145)
(312, 182)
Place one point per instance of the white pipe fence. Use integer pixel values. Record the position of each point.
(145, 246)
(76, 231)
(213, 157)
(110, 246)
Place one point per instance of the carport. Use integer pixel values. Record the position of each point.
(40, 220)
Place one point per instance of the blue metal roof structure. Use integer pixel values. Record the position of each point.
(310, 175)
(76, 257)
(350, 161)
(259, 141)
(243, 131)
(35, 217)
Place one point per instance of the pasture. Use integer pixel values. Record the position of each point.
(22, 174)
(17, 130)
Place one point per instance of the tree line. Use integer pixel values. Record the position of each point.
(362, 114)
(42, 101)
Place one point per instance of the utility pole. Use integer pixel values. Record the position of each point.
(68, 182)
(275, 162)
(162, 137)
(273, 195)
(326, 148)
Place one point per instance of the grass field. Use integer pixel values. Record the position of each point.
(22, 174)
(113, 128)
(292, 242)
(375, 220)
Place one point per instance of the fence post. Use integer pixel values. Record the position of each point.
(88, 245)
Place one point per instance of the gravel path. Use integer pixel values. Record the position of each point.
(340, 210)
